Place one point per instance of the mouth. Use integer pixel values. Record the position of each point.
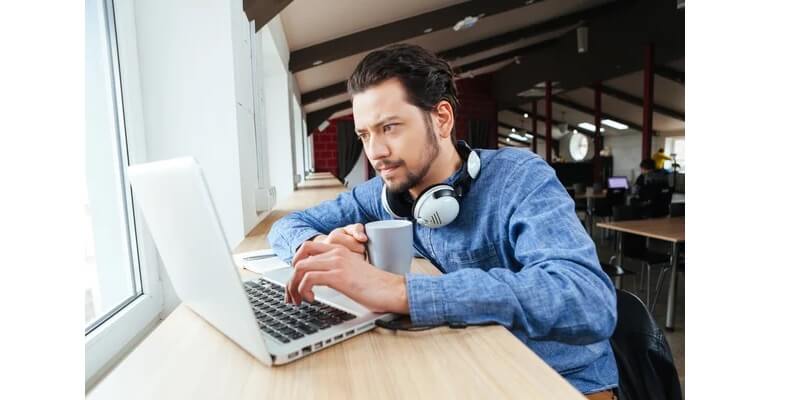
(387, 171)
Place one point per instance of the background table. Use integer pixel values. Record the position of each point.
(668, 229)
(185, 357)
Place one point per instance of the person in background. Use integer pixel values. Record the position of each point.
(659, 159)
(648, 186)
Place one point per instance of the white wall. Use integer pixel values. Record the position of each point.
(298, 134)
(279, 92)
(194, 83)
(358, 174)
(627, 151)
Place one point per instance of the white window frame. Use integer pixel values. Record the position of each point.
(107, 343)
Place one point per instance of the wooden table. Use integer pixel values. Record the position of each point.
(185, 357)
(668, 229)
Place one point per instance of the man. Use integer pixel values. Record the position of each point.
(659, 159)
(651, 190)
(516, 254)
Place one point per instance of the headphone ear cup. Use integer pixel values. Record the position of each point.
(436, 207)
(395, 204)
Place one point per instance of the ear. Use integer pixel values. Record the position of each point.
(443, 119)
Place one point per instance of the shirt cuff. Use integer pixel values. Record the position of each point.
(298, 237)
(426, 299)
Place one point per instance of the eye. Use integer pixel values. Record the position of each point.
(388, 127)
(363, 136)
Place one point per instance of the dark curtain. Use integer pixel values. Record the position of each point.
(478, 134)
(348, 146)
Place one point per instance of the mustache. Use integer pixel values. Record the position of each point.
(387, 164)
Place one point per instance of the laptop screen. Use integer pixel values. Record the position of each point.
(618, 182)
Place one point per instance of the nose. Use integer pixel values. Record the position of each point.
(376, 148)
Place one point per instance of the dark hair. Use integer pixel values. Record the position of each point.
(426, 78)
(648, 163)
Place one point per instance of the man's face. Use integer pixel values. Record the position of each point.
(398, 137)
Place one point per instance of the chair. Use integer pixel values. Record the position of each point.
(677, 209)
(637, 247)
(644, 359)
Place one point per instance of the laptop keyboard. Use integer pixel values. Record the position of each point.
(287, 322)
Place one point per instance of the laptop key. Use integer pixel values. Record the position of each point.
(308, 329)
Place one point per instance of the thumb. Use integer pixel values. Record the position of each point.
(359, 233)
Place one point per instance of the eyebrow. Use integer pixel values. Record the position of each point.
(380, 122)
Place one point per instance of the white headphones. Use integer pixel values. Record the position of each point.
(438, 205)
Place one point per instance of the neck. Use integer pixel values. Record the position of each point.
(446, 164)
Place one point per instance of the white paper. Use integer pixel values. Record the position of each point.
(256, 263)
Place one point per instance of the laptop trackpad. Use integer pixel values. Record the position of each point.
(282, 276)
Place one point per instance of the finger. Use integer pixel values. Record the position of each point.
(314, 278)
(308, 249)
(350, 242)
(303, 267)
(357, 231)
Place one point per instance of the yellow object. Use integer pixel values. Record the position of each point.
(659, 159)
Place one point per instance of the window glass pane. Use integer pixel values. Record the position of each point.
(676, 148)
(111, 262)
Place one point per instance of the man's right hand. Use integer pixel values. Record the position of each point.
(352, 237)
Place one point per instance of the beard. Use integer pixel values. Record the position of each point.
(412, 178)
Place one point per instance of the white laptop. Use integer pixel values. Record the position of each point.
(181, 217)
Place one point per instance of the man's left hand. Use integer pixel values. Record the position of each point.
(339, 268)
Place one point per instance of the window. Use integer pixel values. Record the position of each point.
(121, 295)
(675, 147)
(578, 146)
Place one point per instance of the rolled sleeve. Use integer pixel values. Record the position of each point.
(426, 299)
(298, 237)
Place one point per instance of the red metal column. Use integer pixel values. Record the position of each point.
(548, 122)
(598, 142)
(647, 103)
(533, 127)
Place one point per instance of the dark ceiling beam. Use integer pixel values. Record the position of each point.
(394, 32)
(631, 99)
(616, 47)
(526, 32)
(323, 93)
(315, 118)
(484, 45)
(504, 125)
(526, 143)
(262, 11)
(341, 87)
(588, 110)
(509, 55)
(670, 73)
(541, 118)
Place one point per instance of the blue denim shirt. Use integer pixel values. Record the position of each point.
(517, 255)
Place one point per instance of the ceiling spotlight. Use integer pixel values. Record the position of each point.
(513, 129)
(525, 115)
(583, 39)
(429, 30)
(315, 63)
(466, 23)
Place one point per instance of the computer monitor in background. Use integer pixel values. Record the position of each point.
(618, 182)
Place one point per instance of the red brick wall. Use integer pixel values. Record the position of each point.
(476, 102)
(325, 157)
